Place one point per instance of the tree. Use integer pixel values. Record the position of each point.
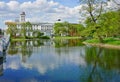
(110, 23)
(75, 29)
(23, 29)
(60, 29)
(26, 27)
(12, 29)
(94, 9)
(29, 26)
(37, 34)
(65, 29)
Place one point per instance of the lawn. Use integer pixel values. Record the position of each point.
(110, 40)
(66, 37)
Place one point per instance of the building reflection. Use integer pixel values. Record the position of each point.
(25, 48)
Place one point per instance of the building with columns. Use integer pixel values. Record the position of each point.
(46, 28)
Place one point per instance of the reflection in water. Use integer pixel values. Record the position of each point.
(2, 60)
(102, 65)
(60, 61)
(68, 42)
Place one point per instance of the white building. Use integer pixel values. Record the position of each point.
(46, 28)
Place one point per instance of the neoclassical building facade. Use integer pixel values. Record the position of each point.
(46, 28)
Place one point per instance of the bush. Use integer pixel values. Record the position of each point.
(45, 37)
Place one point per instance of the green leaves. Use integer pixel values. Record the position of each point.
(12, 29)
(68, 29)
(108, 25)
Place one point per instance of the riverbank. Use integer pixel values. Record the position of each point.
(66, 37)
(103, 45)
(108, 43)
(29, 38)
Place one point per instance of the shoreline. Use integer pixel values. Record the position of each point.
(103, 45)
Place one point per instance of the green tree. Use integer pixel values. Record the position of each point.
(12, 29)
(65, 29)
(61, 28)
(37, 34)
(29, 26)
(110, 23)
(95, 9)
(75, 29)
(23, 29)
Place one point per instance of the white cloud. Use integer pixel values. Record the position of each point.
(50, 61)
(14, 64)
(44, 11)
(13, 5)
(39, 10)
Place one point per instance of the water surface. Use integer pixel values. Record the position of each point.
(59, 61)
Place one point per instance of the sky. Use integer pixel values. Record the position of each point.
(40, 10)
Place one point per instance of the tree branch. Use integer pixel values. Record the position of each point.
(116, 2)
(101, 7)
(90, 11)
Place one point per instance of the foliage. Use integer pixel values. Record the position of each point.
(37, 34)
(45, 37)
(12, 29)
(60, 29)
(94, 8)
(68, 29)
(25, 27)
(106, 26)
(110, 23)
(110, 40)
(92, 41)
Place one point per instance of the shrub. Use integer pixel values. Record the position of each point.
(45, 37)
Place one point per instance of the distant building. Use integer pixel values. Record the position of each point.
(22, 17)
(46, 28)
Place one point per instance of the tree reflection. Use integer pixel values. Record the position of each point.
(12, 48)
(67, 43)
(26, 51)
(100, 62)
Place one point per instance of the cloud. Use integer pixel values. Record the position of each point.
(13, 5)
(52, 60)
(38, 10)
(14, 64)
(44, 11)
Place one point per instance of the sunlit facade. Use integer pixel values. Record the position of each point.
(46, 28)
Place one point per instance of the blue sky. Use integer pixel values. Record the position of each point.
(70, 3)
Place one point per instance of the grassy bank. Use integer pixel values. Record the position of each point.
(111, 41)
(108, 43)
(29, 38)
(66, 37)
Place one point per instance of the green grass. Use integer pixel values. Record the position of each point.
(29, 38)
(92, 41)
(66, 37)
(18, 39)
(110, 40)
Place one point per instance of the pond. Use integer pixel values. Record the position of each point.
(59, 61)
